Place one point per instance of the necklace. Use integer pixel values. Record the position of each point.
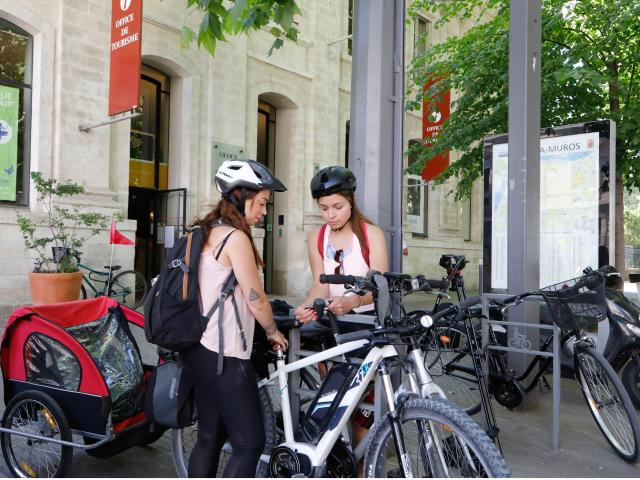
(337, 229)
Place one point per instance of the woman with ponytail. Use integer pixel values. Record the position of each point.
(226, 391)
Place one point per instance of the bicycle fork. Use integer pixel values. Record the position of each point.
(394, 417)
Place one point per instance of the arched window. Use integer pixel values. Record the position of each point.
(16, 48)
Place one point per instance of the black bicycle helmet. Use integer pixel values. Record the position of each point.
(331, 180)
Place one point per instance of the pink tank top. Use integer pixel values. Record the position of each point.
(211, 277)
(353, 263)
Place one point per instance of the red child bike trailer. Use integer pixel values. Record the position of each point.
(73, 378)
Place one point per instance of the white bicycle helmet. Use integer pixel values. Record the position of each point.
(245, 175)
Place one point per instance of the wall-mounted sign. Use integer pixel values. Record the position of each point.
(124, 69)
(224, 151)
(9, 101)
(434, 112)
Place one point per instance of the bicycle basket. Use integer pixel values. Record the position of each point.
(577, 303)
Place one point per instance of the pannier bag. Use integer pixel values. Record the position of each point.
(170, 399)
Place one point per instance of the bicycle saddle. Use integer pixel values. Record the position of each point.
(113, 268)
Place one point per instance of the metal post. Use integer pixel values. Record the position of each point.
(377, 100)
(555, 406)
(524, 166)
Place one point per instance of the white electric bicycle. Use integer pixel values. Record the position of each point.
(422, 435)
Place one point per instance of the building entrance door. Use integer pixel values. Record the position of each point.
(161, 217)
(266, 150)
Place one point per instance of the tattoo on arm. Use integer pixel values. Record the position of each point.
(253, 295)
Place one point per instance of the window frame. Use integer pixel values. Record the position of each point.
(417, 224)
(420, 46)
(23, 184)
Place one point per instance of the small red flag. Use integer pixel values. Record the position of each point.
(115, 237)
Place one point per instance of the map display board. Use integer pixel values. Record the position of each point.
(574, 205)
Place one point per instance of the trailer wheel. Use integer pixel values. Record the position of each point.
(38, 414)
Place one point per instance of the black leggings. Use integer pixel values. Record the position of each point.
(228, 408)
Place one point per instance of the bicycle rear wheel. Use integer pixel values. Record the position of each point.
(129, 288)
(441, 441)
(448, 359)
(608, 402)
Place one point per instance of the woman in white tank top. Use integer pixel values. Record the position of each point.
(225, 383)
(348, 244)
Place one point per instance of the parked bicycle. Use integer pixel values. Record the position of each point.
(129, 287)
(574, 305)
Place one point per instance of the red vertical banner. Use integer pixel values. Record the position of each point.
(126, 41)
(434, 112)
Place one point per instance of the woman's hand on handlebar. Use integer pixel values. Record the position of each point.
(305, 314)
(279, 341)
(343, 305)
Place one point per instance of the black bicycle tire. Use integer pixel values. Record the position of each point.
(631, 379)
(460, 329)
(262, 468)
(66, 453)
(624, 396)
(445, 413)
(139, 276)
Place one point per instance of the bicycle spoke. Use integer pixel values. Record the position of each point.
(606, 404)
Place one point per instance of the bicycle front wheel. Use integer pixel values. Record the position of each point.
(441, 441)
(129, 288)
(608, 402)
(184, 439)
(447, 356)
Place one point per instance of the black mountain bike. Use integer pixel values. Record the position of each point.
(574, 305)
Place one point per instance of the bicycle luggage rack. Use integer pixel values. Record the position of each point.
(555, 394)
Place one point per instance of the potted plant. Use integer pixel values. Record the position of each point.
(55, 277)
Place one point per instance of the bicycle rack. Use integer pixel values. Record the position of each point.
(555, 395)
(296, 353)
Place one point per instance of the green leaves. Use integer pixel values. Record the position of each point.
(590, 70)
(61, 223)
(221, 18)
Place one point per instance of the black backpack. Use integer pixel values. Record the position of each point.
(172, 310)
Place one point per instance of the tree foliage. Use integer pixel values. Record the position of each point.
(221, 18)
(590, 69)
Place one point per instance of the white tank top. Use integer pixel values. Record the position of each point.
(353, 263)
(211, 277)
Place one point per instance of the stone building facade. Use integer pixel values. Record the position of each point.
(289, 110)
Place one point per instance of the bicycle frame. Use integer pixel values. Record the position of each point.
(87, 279)
(422, 383)
(109, 280)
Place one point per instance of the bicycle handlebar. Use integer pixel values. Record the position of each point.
(404, 329)
(466, 303)
(337, 279)
(438, 284)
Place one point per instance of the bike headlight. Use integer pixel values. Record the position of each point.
(634, 329)
(426, 321)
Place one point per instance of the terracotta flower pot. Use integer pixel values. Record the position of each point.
(54, 287)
